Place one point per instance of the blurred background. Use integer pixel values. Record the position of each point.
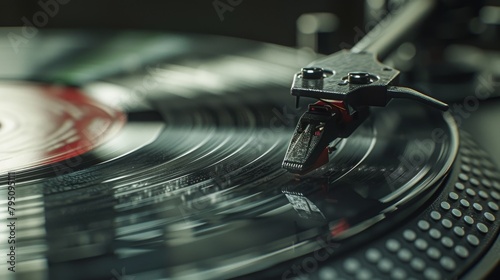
(268, 21)
(338, 23)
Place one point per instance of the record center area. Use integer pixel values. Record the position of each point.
(44, 124)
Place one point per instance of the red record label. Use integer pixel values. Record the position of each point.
(43, 124)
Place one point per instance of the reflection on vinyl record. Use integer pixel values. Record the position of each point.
(160, 156)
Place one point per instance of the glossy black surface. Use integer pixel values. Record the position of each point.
(201, 192)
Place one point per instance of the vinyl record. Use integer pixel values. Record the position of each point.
(159, 156)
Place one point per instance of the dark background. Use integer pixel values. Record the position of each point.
(268, 21)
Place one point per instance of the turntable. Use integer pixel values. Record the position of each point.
(150, 155)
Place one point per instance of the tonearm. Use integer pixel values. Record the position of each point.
(346, 84)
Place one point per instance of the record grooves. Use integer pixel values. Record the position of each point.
(187, 180)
